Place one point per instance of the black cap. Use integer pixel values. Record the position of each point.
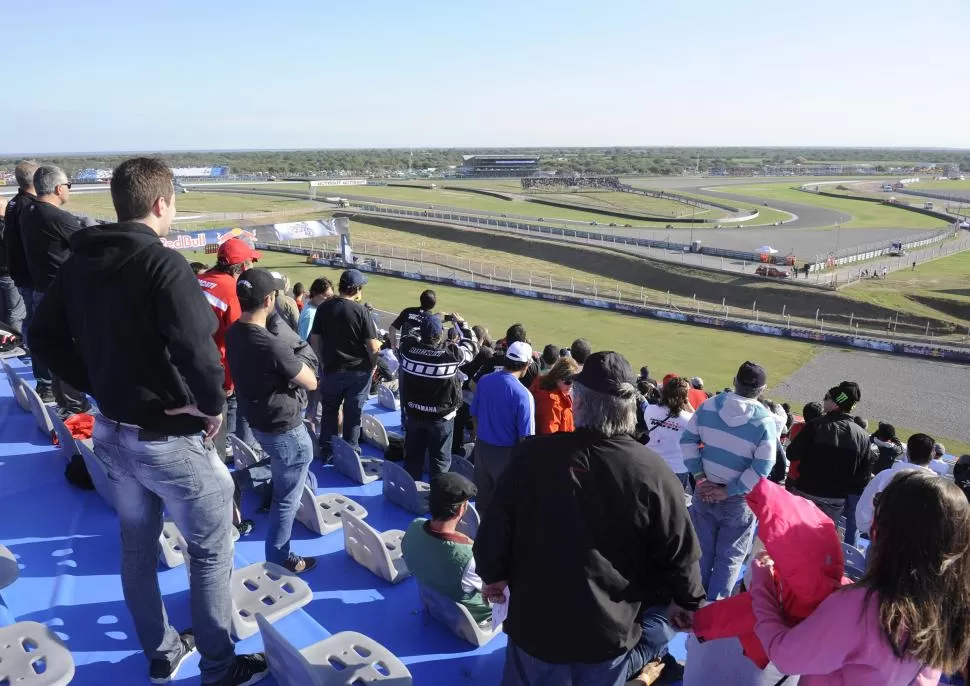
(751, 375)
(352, 278)
(257, 283)
(449, 488)
(845, 395)
(605, 372)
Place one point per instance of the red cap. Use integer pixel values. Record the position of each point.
(667, 378)
(237, 251)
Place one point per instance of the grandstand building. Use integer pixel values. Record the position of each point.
(498, 165)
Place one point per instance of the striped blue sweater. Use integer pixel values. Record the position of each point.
(730, 440)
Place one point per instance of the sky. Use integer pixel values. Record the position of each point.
(119, 75)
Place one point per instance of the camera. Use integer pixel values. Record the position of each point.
(450, 318)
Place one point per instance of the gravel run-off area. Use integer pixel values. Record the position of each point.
(921, 395)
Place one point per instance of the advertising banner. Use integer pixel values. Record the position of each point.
(311, 229)
(316, 183)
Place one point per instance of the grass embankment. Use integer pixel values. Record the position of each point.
(99, 204)
(937, 289)
(942, 186)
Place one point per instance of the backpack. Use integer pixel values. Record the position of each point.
(395, 449)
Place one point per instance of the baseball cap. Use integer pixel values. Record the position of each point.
(606, 372)
(845, 395)
(449, 488)
(255, 284)
(751, 375)
(668, 377)
(237, 251)
(519, 352)
(939, 449)
(431, 326)
(696, 382)
(352, 278)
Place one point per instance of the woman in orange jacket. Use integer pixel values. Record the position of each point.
(554, 399)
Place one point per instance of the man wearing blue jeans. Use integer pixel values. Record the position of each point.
(728, 445)
(345, 340)
(271, 382)
(158, 383)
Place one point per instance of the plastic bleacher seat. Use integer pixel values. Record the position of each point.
(469, 522)
(242, 455)
(96, 471)
(361, 470)
(265, 588)
(387, 399)
(16, 386)
(344, 659)
(323, 514)
(38, 410)
(855, 562)
(378, 552)
(32, 655)
(373, 431)
(462, 466)
(401, 489)
(171, 545)
(9, 569)
(456, 617)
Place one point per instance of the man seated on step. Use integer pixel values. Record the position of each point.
(439, 556)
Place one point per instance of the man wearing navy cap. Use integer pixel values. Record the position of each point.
(345, 340)
(431, 389)
(590, 533)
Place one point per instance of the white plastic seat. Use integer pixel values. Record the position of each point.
(344, 659)
(361, 470)
(9, 569)
(242, 455)
(469, 522)
(387, 399)
(38, 410)
(373, 431)
(16, 386)
(456, 617)
(401, 489)
(855, 562)
(460, 465)
(324, 514)
(379, 552)
(32, 655)
(171, 545)
(267, 589)
(96, 471)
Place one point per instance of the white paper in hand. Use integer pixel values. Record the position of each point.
(500, 611)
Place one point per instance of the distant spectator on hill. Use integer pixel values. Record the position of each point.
(298, 292)
(665, 424)
(832, 453)
(919, 454)
(728, 445)
(889, 447)
(504, 414)
(408, 322)
(285, 305)
(346, 342)
(580, 350)
(553, 397)
(438, 555)
(514, 334)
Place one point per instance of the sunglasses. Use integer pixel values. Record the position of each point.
(568, 382)
(65, 184)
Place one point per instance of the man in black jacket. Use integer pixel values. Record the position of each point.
(515, 334)
(832, 453)
(590, 534)
(158, 381)
(432, 390)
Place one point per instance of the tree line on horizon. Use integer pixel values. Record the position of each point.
(607, 160)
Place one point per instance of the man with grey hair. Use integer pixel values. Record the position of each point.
(590, 532)
(46, 230)
(12, 310)
(729, 445)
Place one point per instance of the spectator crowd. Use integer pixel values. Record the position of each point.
(615, 510)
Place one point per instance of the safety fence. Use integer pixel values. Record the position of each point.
(672, 313)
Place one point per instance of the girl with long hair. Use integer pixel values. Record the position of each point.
(553, 396)
(907, 620)
(665, 423)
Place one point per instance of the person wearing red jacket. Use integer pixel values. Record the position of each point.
(219, 288)
(553, 395)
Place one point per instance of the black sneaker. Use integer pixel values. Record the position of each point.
(299, 565)
(245, 670)
(163, 671)
(46, 395)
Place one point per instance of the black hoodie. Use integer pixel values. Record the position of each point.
(125, 321)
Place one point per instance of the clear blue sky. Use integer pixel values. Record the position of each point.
(217, 74)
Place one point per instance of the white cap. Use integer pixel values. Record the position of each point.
(697, 382)
(519, 352)
(939, 449)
